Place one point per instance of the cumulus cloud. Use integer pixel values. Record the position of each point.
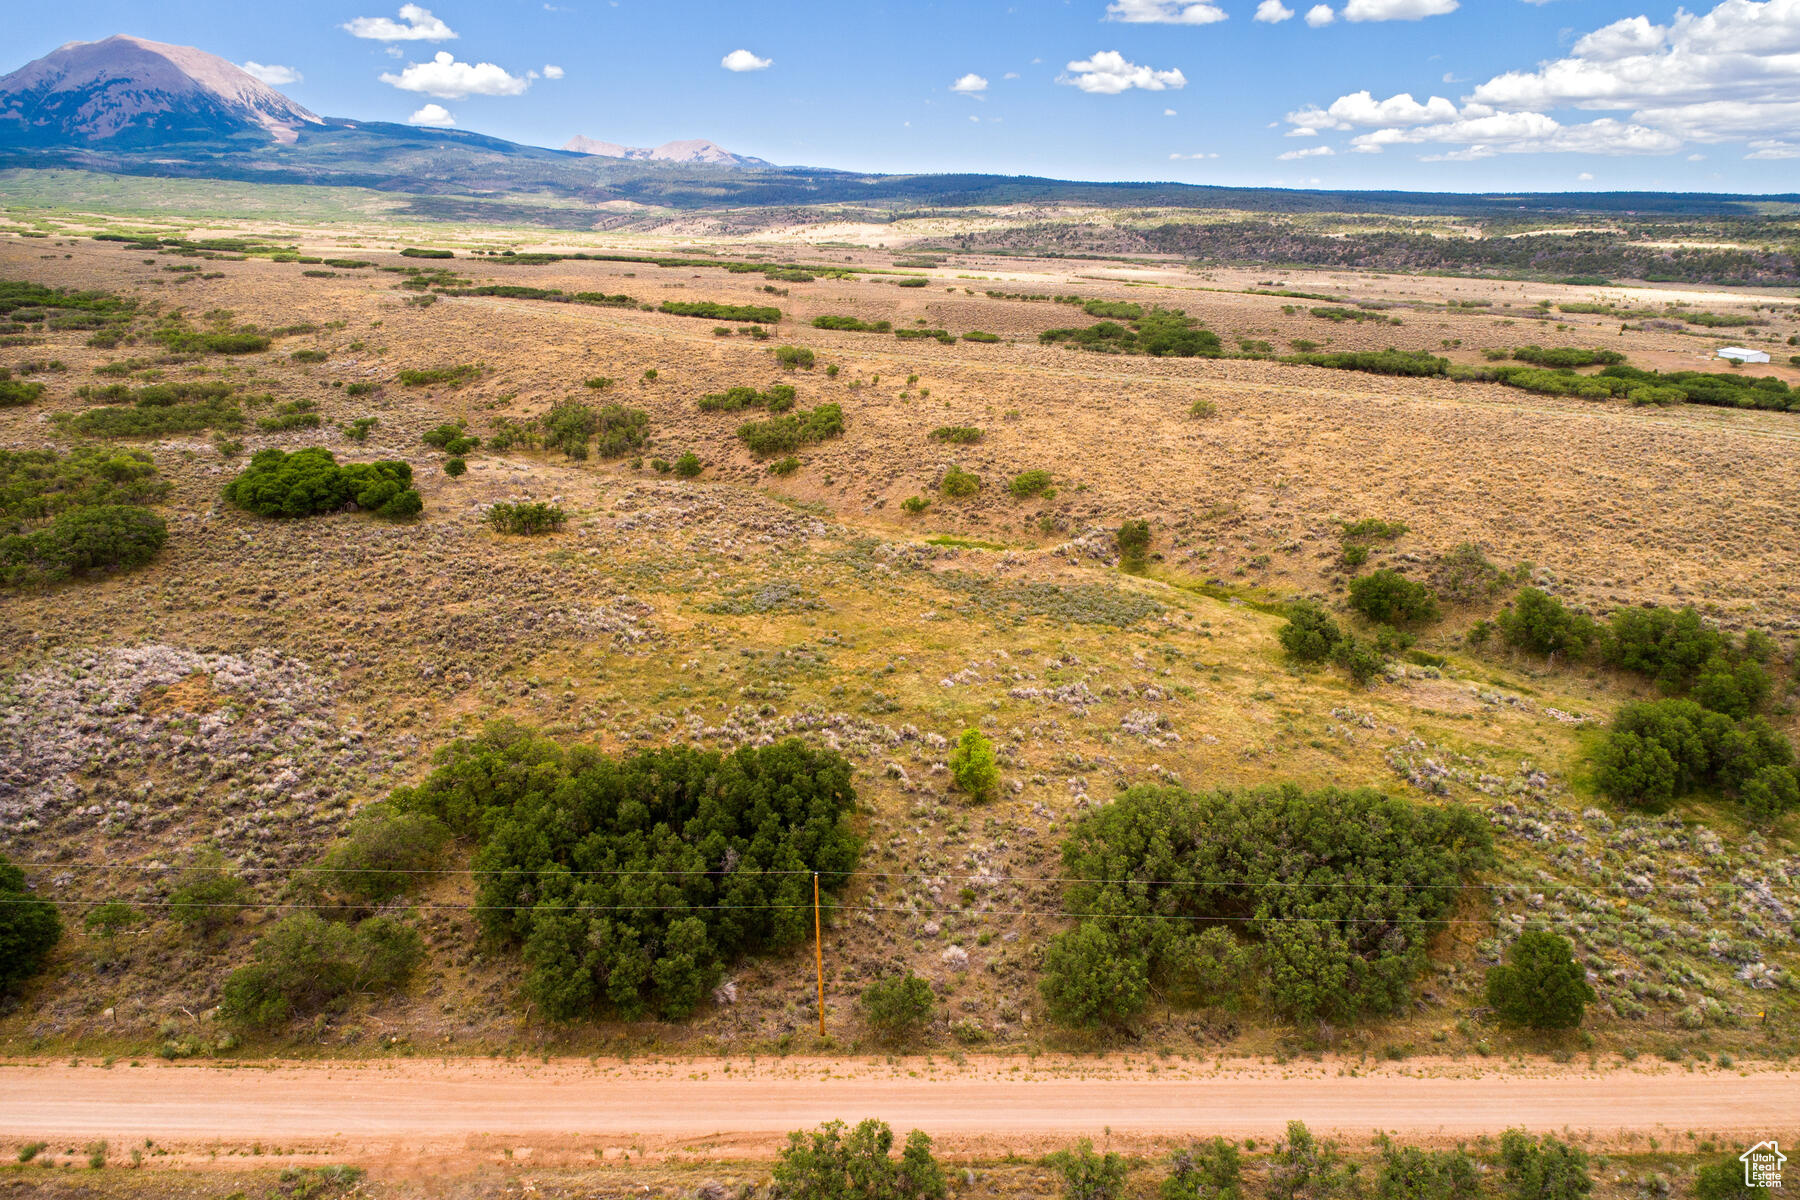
(1273, 12)
(1397, 10)
(1108, 73)
(551, 71)
(1731, 74)
(743, 60)
(432, 114)
(1320, 15)
(1165, 12)
(448, 79)
(415, 25)
(272, 75)
(1309, 152)
(970, 85)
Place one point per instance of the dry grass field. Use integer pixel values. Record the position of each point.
(261, 679)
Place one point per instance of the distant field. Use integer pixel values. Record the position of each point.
(263, 679)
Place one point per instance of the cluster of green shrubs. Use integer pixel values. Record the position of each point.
(942, 336)
(1162, 332)
(978, 335)
(851, 324)
(15, 393)
(1036, 482)
(836, 1162)
(1567, 356)
(82, 513)
(1339, 315)
(451, 376)
(1116, 310)
(555, 296)
(613, 429)
(1194, 894)
(720, 852)
(291, 414)
(1706, 736)
(418, 252)
(305, 964)
(898, 1007)
(761, 314)
(795, 358)
(779, 398)
(527, 517)
(1358, 535)
(452, 437)
(788, 432)
(1312, 636)
(157, 410)
(1387, 597)
(1376, 362)
(961, 435)
(311, 481)
(181, 338)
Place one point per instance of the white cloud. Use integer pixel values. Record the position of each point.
(551, 71)
(1773, 148)
(1165, 12)
(1010, 75)
(1730, 74)
(1191, 157)
(432, 114)
(1397, 10)
(415, 25)
(970, 85)
(1169, 112)
(1320, 15)
(1273, 12)
(272, 75)
(1108, 73)
(1309, 152)
(1302, 131)
(1585, 177)
(448, 79)
(743, 60)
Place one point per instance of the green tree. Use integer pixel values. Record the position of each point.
(899, 1006)
(1723, 1179)
(305, 964)
(1546, 1169)
(1390, 598)
(1301, 1167)
(1409, 1173)
(1091, 979)
(1088, 1175)
(1310, 634)
(973, 767)
(30, 927)
(1540, 984)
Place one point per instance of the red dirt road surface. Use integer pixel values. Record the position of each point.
(414, 1106)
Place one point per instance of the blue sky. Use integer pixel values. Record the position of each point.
(1636, 95)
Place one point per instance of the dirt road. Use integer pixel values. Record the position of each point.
(380, 1109)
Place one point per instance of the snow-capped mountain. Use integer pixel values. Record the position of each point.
(693, 150)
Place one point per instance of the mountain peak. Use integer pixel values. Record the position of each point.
(126, 89)
(693, 150)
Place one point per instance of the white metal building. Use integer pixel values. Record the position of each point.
(1743, 355)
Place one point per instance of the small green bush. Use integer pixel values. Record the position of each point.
(721, 312)
(358, 429)
(851, 324)
(291, 414)
(788, 432)
(959, 484)
(961, 435)
(456, 468)
(1087, 1175)
(1310, 634)
(1542, 1168)
(1134, 541)
(915, 504)
(1027, 484)
(453, 376)
(834, 1162)
(208, 896)
(794, 357)
(304, 965)
(976, 335)
(899, 1006)
(688, 465)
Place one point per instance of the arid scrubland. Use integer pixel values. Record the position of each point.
(262, 679)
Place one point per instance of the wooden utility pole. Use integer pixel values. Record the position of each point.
(819, 952)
